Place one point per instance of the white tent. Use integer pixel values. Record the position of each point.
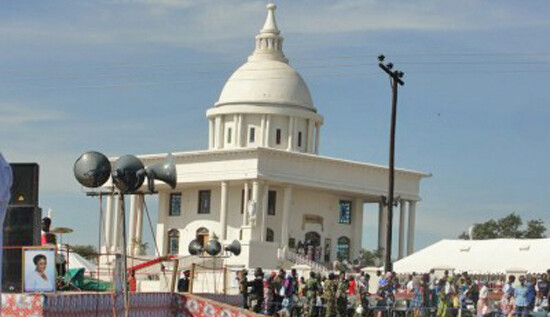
(77, 261)
(480, 256)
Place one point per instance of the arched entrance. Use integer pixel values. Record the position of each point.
(313, 247)
(202, 235)
(313, 238)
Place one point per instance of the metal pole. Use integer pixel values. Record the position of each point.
(395, 76)
(388, 265)
(124, 276)
(175, 275)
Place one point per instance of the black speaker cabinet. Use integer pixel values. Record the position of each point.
(22, 227)
(24, 191)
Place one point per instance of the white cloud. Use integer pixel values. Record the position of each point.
(15, 114)
(200, 24)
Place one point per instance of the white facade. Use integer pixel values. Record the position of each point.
(263, 176)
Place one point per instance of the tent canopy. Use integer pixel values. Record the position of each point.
(495, 256)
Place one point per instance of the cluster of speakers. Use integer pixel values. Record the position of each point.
(92, 169)
(213, 247)
(22, 224)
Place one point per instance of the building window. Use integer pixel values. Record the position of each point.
(271, 202)
(291, 243)
(278, 136)
(252, 135)
(202, 235)
(204, 201)
(342, 248)
(345, 212)
(175, 204)
(299, 139)
(269, 235)
(228, 135)
(173, 241)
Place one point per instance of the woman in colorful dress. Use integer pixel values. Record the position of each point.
(416, 302)
(482, 304)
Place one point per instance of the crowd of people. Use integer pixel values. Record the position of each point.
(285, 293)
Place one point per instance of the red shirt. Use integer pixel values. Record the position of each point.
(351, 287)
(133, 284)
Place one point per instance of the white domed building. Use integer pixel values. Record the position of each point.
(262, 180)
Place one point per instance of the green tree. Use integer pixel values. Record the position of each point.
(506, 227)
(87, 251)
(370, 258)
(509, 226)
(535, 229)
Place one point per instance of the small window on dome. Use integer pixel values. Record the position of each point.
(299, 139)
(252, 135)
(228, 135)
(278, 137)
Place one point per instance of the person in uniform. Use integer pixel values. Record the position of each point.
(329, 293)
(312, 291)
(341, 296)
(243, 287)
(256, 295)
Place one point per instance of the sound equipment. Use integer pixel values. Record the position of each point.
(22, 227)
(24, 191)
(214, 247)
(125, 174)
(195, 247)
(164, 171)
(234, 247)
(92, 169)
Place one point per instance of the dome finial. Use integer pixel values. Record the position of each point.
(270, 26)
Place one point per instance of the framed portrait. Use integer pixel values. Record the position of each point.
(39, 269)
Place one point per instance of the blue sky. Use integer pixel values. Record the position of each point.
(136, 76)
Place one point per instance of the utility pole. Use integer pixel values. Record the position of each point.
(396, 78)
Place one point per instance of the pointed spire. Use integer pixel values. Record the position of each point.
(269, 44)
(270, 26)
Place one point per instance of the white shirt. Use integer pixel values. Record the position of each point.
(35, 283)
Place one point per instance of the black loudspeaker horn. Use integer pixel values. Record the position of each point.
(128, 174)
(195, 247)
(164, 171)
(92, 169)
(234, 247)
(214, 247)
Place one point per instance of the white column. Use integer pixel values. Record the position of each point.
(218, 141)
(383, 226)
(401, 248)
(264, 212)
(117, 224)
(357, 227)
(286, 216)
(267, 130)
(139, 224)
(161, 237)
(317, 135)
(132, 224)
(245, 204)
(410, 231)
(239, 131)
(223, 212)
(108, 223)
(210, 133)
(261, 136)
(258, 209)
(290, 145)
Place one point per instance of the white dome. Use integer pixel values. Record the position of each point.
(266, 81)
